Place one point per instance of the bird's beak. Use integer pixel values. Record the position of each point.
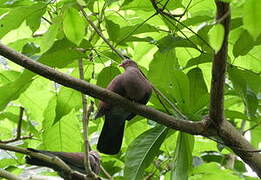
(120, 65)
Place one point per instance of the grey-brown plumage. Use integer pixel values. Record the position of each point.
(74, 160)
(132, 85)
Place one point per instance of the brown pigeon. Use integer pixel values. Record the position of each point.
(74, 160)
(132, 85)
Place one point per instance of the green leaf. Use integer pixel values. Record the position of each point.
(243, 79)
(49, 37)
(12, 90)
(182, 164)
(65, 135)
(202, 58)
(199, 96)
(252, 16)
(137, 5)
(255, 134)
(106, 75)
(213, 171)
(74, 26)
(61, 54)
(30, 49)
(113, 29)
(216, 36)
(243, 45)
(251, 103)
(35, 99)
(49, 113)
(142, 151)
(67, 99)
(170, 41)
(16, 16)
(34, 20)
(175, 84)
(15, 3)
(7, 76)
(235, 115)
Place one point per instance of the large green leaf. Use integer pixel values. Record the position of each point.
(142, 151)
(35, 99)
(34, 20)
(73, 26)
(252, 16)
(214, 172)
(216, 36)
(64, 135)
(182, 164)
(199, 96)
(201, 59)
(48, 39)
(16, 16)
(175, 84)
(243, 45)
(255, 133)
(170, 41)
(67, 99)
(13, 89)
(7, 76)
(106, 75)
(61, 54)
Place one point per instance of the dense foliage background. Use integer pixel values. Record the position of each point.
(174, 53)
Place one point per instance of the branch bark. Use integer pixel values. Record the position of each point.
(85, 121)
(216, 110)
(103, 94)
(8, 175)
(227, 132)
(52, 160)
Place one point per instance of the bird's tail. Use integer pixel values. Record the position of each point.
(110, 139)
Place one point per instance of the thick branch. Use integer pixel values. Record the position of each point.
(228, 133)
(236, 141)
(101, 93)
(51, 160)
(216, 111)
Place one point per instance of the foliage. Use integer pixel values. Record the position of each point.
(169, 52)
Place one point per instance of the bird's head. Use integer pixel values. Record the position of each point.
(128, 63)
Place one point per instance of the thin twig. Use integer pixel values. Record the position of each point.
(106, 173)
(122, 56)
(173, 17)
(15, 139)
(47, 20)
(135, 29)
(100, 33)
(18, 130)
(19, 124)
(85, 122)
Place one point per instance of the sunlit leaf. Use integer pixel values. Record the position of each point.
(252, 16)
(73, 26)
(142, 151)
(216, 36)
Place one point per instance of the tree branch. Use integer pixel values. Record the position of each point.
(85, 121)
(216, 110)
(101, 93)
(18, 130)
(228, 133)
(52, 160)
(7, 175)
